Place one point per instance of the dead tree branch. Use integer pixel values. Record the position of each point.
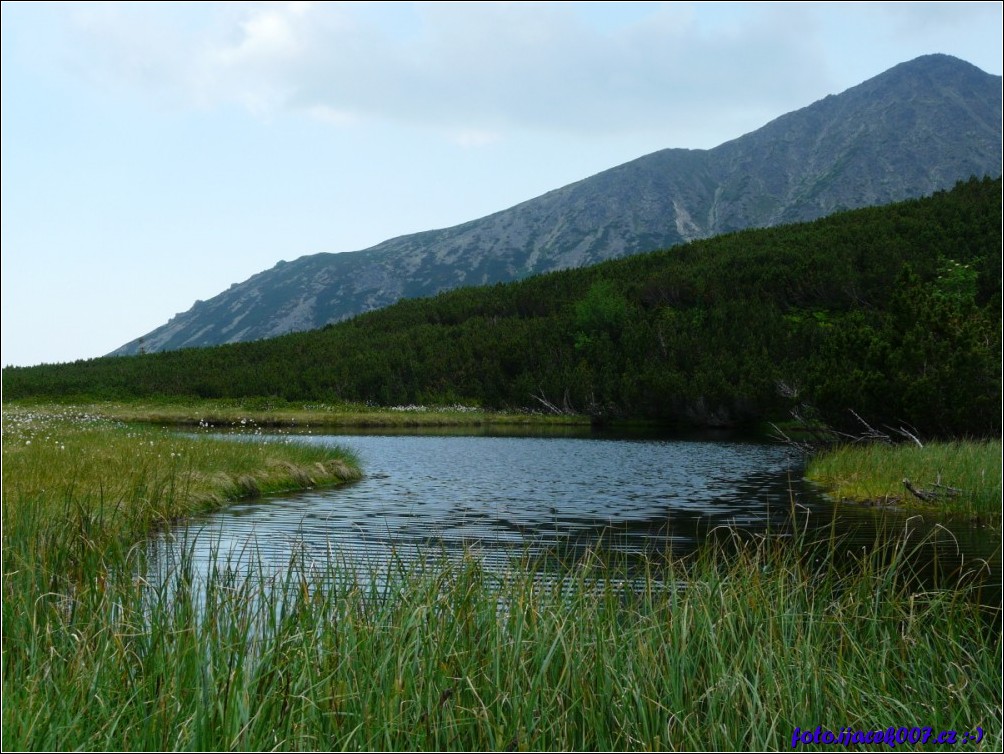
(927, 497)
(871, 434)
(546, 403)
(931, 496)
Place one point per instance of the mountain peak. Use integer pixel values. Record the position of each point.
(936, 61)
(936, 69)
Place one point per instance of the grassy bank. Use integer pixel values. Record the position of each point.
(275, 412)
(962, 478)
(69, 472)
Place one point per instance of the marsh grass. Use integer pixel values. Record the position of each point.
(875, 473)
(276, 412)
(78, 491)
(731, 649)
(72, 480)
(717, 653)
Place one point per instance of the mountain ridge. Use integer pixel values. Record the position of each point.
(912, 130)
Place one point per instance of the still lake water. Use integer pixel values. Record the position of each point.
(502, 497)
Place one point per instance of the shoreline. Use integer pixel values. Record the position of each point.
(70, 473)
(275, 414)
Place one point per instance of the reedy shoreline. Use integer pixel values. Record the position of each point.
(731, 650)
(65, 463)
(268, 412)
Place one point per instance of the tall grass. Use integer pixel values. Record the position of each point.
(78, 491)
(964, 476)
(716, 654)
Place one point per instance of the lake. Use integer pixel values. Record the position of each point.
(554, 496)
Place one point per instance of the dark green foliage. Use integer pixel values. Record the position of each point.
(891, 311)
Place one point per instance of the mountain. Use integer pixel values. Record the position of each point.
(917, 128)
(893, 311)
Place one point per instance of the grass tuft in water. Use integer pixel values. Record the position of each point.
(963, 477)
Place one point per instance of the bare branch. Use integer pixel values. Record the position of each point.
(927, 497)
(906, 433)
(872, 434)
(546, 403)
(930, 496)
(802, 447)
(948, 491)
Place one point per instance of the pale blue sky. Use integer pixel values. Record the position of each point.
(153, 154)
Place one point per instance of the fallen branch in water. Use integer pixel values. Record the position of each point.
(919, 494)
(930, 496)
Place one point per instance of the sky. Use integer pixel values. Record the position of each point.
(155, 153)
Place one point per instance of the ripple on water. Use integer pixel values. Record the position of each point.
(508, 497)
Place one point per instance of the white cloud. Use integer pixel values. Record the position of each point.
(480, 68)
(463, 68)
(267, 34)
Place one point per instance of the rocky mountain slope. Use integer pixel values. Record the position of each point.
(917, 128)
